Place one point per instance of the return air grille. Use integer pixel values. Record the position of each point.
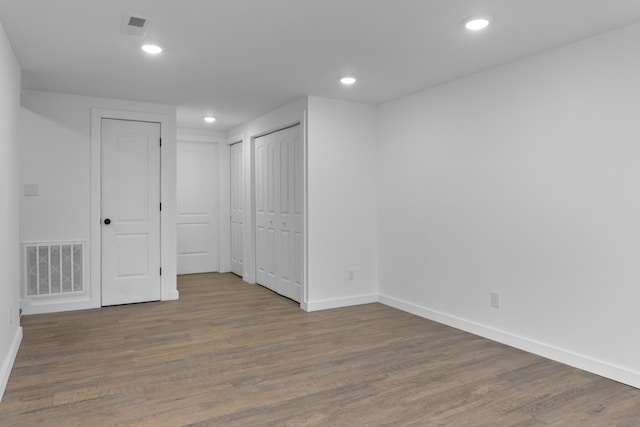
(54, 268)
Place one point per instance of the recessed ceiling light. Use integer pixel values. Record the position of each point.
(152, 49)
(209, 119)
(347, 81)
(476, 24)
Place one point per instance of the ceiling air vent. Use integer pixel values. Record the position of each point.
(134, 21)
(135, 25)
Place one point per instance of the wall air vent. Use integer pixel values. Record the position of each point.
(135, 25)
(53, 268)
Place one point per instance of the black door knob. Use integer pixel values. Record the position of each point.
(107, 221)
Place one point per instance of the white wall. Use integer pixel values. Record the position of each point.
(55, 152)
(10, 330)
(523, 180)
(342, 203)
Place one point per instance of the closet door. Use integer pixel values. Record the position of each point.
(289, 227)
(266, 213)
(237, 209)
(279, 212)
(298, 213)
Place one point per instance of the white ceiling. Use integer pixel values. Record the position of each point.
(237, 59)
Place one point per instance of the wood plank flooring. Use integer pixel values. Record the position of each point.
(233, 354)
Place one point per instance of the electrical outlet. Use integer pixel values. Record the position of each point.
(495, 299)
(351, 275)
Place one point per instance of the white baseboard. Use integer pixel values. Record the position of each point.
(339, 302)
(7, 363)
(173, 294)
(566, 357)
(56, 304)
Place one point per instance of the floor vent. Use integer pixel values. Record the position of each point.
(53, 268)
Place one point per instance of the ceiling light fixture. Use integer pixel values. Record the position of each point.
(209, 119)
(347, 81)
(152, 49)
(476, 24)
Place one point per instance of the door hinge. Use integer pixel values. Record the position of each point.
(161, 271)
(160, 206)
(160, 142)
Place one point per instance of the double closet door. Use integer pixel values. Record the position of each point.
(279, 204)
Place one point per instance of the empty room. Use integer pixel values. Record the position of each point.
(319, 213)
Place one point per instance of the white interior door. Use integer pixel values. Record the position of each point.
(130, 211)
(237, 209)
(266, 215)
(279, 212)
(290, 213)
(197, 207)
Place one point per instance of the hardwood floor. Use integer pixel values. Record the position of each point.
(232, 354)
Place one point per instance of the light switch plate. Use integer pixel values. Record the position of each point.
(31, 189)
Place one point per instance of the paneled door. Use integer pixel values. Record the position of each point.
(130, 211)
(237, 209)
(198, 216)
(279, 202)
(266, 215)
(289, 241)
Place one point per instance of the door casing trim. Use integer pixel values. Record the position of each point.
(168, 288)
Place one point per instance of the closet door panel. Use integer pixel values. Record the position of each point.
(279, 212)
(237, 209)
(265, 212)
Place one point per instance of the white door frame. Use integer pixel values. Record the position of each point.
(223, 188)
(250, 211)
(168, 286)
